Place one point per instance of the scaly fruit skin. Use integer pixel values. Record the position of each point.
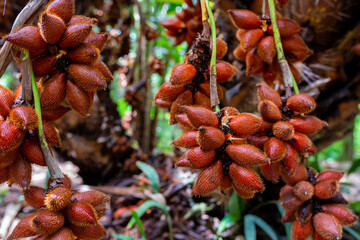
(57, 199)
(51, 27)
(7, 99)
(208, 179)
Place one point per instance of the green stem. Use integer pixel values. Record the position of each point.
(54, 169)
(289, 80)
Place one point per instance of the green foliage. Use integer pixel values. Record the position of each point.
(138, 223)
(151, 174)
(250, 222)
(236, 207)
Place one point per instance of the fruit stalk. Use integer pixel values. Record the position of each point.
(289, 80)
(54, 169)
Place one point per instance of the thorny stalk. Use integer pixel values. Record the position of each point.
(54, 169)
(289, 80)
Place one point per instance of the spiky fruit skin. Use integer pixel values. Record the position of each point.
(6, 100)
(182, 74)
(54, 91)
(242, 130)
(87, 77)
(78, 98)
(301, 232)
(208, 179)
(47, 222)
(34, 197)
(199, 116)
(275, 149)
(58, 198)
(81, 214)
(20, 172)
(304, 190)
(24, 228)
(244, 18)
(62, 8)
(74, 35)
(246, 155)
(24, 117)
(283, 130)
(341, 213)
(210, 138)
(51, 27)
(11, 136)
(327, 226)
(301, 103)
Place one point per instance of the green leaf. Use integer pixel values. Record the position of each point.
(250, 230)
(198, 207)
(122, 236)
(151, 173)
(355, 206)
(286, 225)
(225, 223)
(236, 207)
(354, 167)
(144, 207)
(138, 223)
(352, 232)
(178, 2)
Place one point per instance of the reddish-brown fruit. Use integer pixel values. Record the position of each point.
(82, 19)
(266, 92)
(183, 121)
(245, 178)
(29, 38)
(271, 171)
(224, 71)
(283, 130)
(58, 198)
(225, 184)
(341, 213)
(54, 114)
(47, 222)
(8, 158)
(327, 226)
(239, 53)
(282, 3)
(20, 172)
(24, 228)
(87, 77)
(288, 200)
(265, 127)
(257, 141)
(289, 216)
(304, 190)
(31, 149)
(54, 91)
(210, 138)
(302, 143)
(296, 48)
(266, 49)
(104, 70)
(85, 53)
(244, 18)
(301, 232)
(299, 174)
(269, 110)
(245, 124)
(78, 99)
(205, 87)
(81, 214)
(308, 125)
(4, 175)
(246, 194)
(51, 27)
(182, 74)
(74, 35)
(301, 103)
(173, 24)
(200, 99)
(34, 197)
(251, 38)
(97, 39)
(254, 64)
(63, 234)
(169, 92)
(246, 155)
(94, 198)
(329, 175)
(162, 104)
(11, 136)
(65, 180)
(43, 65)
(200, 116)
(24, 117)
(240, 33)
(199, 158)
(7, 99)
(316, 236)
(269, 74)
(275, 149)
(62, 8)
(208, 179)
(291, 159)
(185, 98)
(93, 232)
(221, 48)
(326, 189)
(187, 140)
(52, 134)
(287, 27)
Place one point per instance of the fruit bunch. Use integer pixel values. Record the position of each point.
(189, 83)
(19, 143)
(315, 205)
(65, 53)
(218, 147)
(63, 214)
(186, 25)
(284, 130)
(257, 44)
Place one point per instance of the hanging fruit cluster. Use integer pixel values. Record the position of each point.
(189, 83)
(19, 143)
(316, 206)
(186, 25)
(65, 54)
(284, 130)
(63, 214)
(257, 44)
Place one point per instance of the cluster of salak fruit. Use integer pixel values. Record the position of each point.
(63, 214)
(65, 58)
(65, 55)
(257, 45)
(186, 25)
